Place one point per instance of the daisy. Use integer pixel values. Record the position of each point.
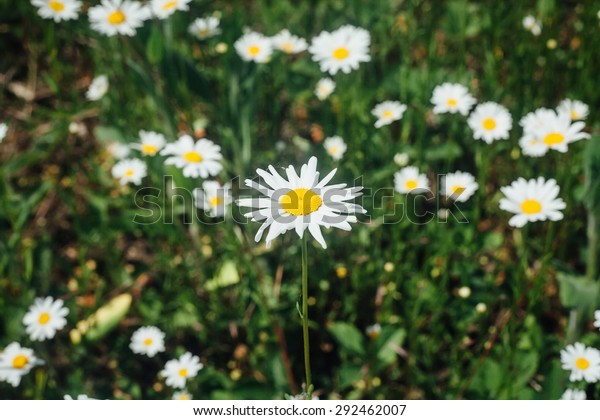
(203, 28)
(200, 159)
(343, 49)
(532, 200)
(122, 17)
(118, 150)
(300, 202)
(574, 394)
(3, 131)
(576, 109)
(178, 371)
(335, 147)
(150, 143)
(325, 87)
(452, 98)
(44, 318)
(409, 180)
(98, 88)
(557, 131)
(58, 9)
(288, 43)
(532, 146)
(459, 186)
(148, 341)
(182, 395)
(373, 331)
(387, 112)
(162, 9)
(79, 397)
(213, 197)
(535, 120)
(597, 319)
(130, 171)
(15, 362)
(253, 46)
(401, 159)
(532, 24)
(582, 361)
(490, 121)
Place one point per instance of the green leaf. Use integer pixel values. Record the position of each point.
(227, 276)
(155, 47)
(443, 152)
(105, 319)
(387, 353)
(577, 292)
(349, 337)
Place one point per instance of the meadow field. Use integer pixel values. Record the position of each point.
(170, 226)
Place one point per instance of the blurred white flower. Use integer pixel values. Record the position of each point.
(574, 394)
(325, 87)
(121, 17)
(464, 292)
(373, 331)
(459, 186)
(452, 98)
(288, 43)
(409, 180)
(556, 130)
(582, 361)
(44, 318)
(79, 397)
(178, 371)
(335, 147)
(490, 121)
(16, 362)
(148, 341)
(150, 143)
(130, 171)
(199, 159)
(3, 131)
(253, 46)
(401, 159)
(597, 319)
(162, 9)
(577, 110)
(343, 49)
(182, 395)
(97, 88)
(213, 197)
(532, 24)
(118, 150)
(387, 112)
(203, 28)
(58, 9)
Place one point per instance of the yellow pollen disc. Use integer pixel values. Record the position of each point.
(203, 32)
(129, 172)
(57, 6)
(554, 138)
(582, 363)
(411, 184)
(215, 201)
(531, 206)
(341, 53)
(20, 362)
(147, 341)
(183, 372)
(253, 50)
(300, 202)
(489, 123)
(44, 318)
(184, 397)
(333, 150)
(458, 190)
(116, 18)
(387, 114)
(574, 115)
(452, 102)
(288, 47)
(373, 335)
(341, 272)
(193, 157)
(169, 5)
(149, 149)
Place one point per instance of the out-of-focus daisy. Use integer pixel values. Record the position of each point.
(79, 397)
(148, 341)
(253, 46)
(150, 143)
(557, 131)
(582, 361)
(401, 159)
(325, 87)
(343, 49)
(574, 394)
(97, 88)
(44, 318)
(532, 146)
(535, 120)
(118, 150)
(58, 9)
(199, 159)
(15, 362)
(532, 24)
(3, 131)
(130, 171)
(387, 112)
(122, 17)
(577, 110)
(597, 319)
(409, 180)
(288, 43)
(182, 395)
(335, 147)
(213, 197)
(452, 98)
(459, 186)
(532, 200)
(178, 371)
(203, 28)
(301, 202)
(373, 331)
(490, 121)
(162, 9)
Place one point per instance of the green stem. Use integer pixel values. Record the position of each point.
(592, 247)
(305, 315)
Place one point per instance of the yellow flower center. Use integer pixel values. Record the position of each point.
(193, 157)
(116, 18)
(387, 114)
(489, 123)
(554, 138)
(582, 363)
(341, 53)
(531, 206)
(215, 201)
(169, 5)
(20, 361)
(183, 372)
(333, 150)
(288, 47)
(411, 184)
(129, 172)
(253, 50)
(57, 6)
(574, 115)
(147, 341)
(149, 149)
(373, 334)
(457, 189)
(203, 32)
(300, 202)
(184, 397)
(452, 102)
(44, 318)
(341, 272)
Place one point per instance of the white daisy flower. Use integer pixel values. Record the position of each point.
(574, 394)
(178, 371)
(182, 395)
(97, 88)
(597, 319)
(582, 361)
(490, 121)
(200, 159)
(162, 9)
(15, 362)
(373, 331)
(409, 180)
(150, 143)
(532, 200)
(535, 120)
(118, 150)
(148, 341)
(343, 49)
(459, 186)
(532, 146)
(203, 28)
(253, 46)
(452, 98)
(387, 112)
(401, 159)
(121, 17)
(557, 131)
(213, 197)
(80, 397)
(44, 318)
(335, 147)
(288, 43)
(577, 110)
(532, 24)
(300, 202)
(3, 131)
(325, 87)
(130, 171)
(58, 9)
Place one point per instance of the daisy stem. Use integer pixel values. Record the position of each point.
(305, 314)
